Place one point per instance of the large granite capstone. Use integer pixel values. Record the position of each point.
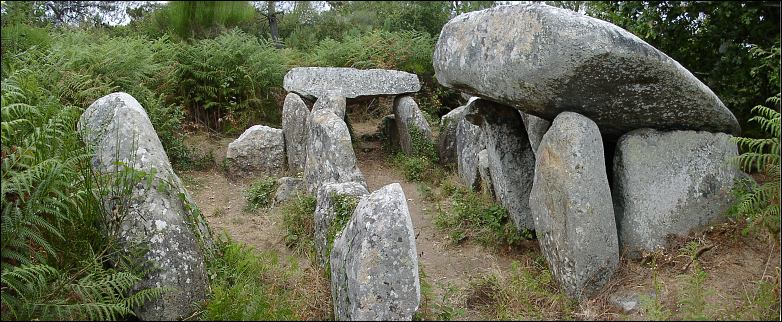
(157, 214)
(545, 60)
(316, 82)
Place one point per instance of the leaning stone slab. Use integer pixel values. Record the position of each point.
(349, 82)
(668, 183)
(511, 159)
(469, 141)
(446, 141)
(325, 213)
(260, 150)
(159, 214)
(536, 127)
(294, 131)
(330, 156)
(409, 120)
(571, 205)
(374, 264)
(544, 60)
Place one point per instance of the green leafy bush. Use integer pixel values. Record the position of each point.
(299, 221)
(260, 193)
(344, 205)
(760, 203)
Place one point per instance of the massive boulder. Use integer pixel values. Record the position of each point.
(326, 211)
(536, 128)
(374, 264)
(511, 159)
(260, 150)
(668, 183)
(315, 82)
(157, 214)
(571, 205)
(544, 60)
(410, 120)
(469, 141)
(294, 131)
(330, 156)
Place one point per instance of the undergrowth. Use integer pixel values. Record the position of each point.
(299, 222)
(260, 194)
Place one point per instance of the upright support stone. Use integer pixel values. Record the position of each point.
(446, 141)
(294, 131)
(158, 214)
(331, 101)
(330, 156)
(571, 204)
(410, 121)
(469, 141)
(485, 174)
(536, 127)
(325, 213)
(374, 263)
(511, 160)
(390, 132)
(668, 183)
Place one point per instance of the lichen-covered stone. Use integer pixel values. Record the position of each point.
(546, 60)
(469, 141)
(159, 213)
(325, 213)
(409, 118)
(333, 101)
(536, 127)
(294, 131)
(374, 263)
(571, 205)
(446, 141)
(259, 151)
(510, 157)
(288, 188)
(330, 156)
(668, 183)
(485, 174)
(349, 82)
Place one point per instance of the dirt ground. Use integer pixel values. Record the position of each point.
(733, 264)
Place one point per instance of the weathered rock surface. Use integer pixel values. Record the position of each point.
(571, 204)
(446, 141)
(469, 141)
(177, 238)
(409, 118)
(374, 264)
(510, 157)
(536, 127)
(325, 213)
(485, 173)
(670, 183)
(389, 131)
(260, 150)
(294, 131)
(330, 156)
(331, 100)
(350, 82)
(545, 60)
(288, 188)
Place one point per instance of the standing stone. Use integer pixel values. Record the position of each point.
(409, 118)
(390, 132)
(469, 141)
(668, 183)
(332, 101)
(315, 82)
(545, 60)
(374, 263)
(330, 156)
(571, 204)
(287, 188)
(325, 213)
(510, 157)
(485, 173)
(260, 150)
(294, 131)
(446, 142)
(536, 127)
(117, 128)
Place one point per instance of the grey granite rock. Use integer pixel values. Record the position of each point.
(349, 82)
(294, 131)
(409, 118)
(259, 151)
(330, 156)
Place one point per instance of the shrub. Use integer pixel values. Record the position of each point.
(260, 193)
(761, 203)
(344, 205)
(299, 222)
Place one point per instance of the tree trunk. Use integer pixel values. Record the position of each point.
(271, 14)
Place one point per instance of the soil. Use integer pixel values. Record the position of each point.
(734, 264)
